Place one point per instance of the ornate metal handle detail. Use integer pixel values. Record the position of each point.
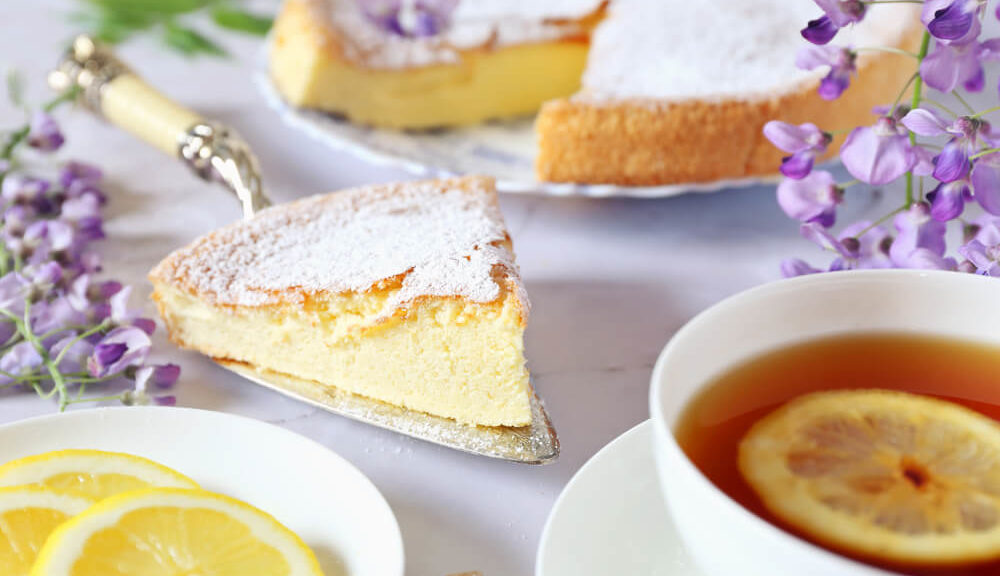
(215, 152)
(90, 66)
(111, 89)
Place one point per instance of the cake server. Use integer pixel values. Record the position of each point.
(111, 89)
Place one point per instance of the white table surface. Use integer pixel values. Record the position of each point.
(610, 281)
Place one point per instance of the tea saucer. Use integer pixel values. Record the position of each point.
(611, 518)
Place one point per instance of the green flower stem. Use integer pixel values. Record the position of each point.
(918, 87)
(941, 106)
(982, 153)
(99, 328)
(59, 384)
(881, 220)
(73, 327)
(962, 100)
(90, 380)
(22, 378)
(4, 257)
(902, 93)
(89, 399)
(984, 112)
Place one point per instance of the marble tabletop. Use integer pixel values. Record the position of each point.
(610, 281)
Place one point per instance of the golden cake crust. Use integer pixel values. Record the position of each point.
(211, 266)
(645, 142)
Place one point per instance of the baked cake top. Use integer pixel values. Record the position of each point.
(716, 49)
(473, 24)
(440, 237)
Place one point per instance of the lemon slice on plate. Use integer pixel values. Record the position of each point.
(27, 516)
(174, 532)
(91, 474)
(886, 475)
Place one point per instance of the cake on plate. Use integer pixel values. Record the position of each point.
(630, 92)
(493, 59)
(404, 293)
(686, 99)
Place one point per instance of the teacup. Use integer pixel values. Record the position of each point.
(723, 537)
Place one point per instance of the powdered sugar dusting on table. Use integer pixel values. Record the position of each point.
(712, 49)
(474, 23)
(445, 236)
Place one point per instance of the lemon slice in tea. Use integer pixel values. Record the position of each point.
(885, 475)
(92, 474)
(27, 516)
(174, 532)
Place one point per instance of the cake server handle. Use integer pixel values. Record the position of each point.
(111, 89)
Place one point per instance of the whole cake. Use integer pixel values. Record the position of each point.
(632, 92)
(404, 293)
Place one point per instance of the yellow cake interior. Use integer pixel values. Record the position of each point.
(447, 357)
(486, 83)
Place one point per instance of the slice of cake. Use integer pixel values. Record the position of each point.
(678, 91)
(491, 59)
(404, 293)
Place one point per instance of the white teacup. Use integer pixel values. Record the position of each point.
(723, 537)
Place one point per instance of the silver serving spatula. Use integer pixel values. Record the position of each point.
(110, 89)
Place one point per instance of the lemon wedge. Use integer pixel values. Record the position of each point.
(27, 516)
(174, 532)
(91, 474)
(885, 475)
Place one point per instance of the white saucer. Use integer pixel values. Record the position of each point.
(319, 495)
(504, 150)
(611, 519)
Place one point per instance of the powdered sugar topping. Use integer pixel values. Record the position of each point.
(445, 238)
(677, 49)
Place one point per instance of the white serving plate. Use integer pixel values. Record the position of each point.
(316, 493)
(611, 518)
(504, 150)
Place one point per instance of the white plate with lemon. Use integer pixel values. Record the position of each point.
(155, 490)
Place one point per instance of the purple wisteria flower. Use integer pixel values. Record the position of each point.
(920, 241)
(982, 251)
(837, 14)
(55, 318)
(813, 198)
(950, 160)
(19, 360)
(951, 65)
(805, 142)
(953, 163)
(417, 19)
(986, 182)
(793, 267)
(44, 133)
(948, 199)
(861, 245)
(122, 348)
(878, 154)
(953, 20)
(842, 64)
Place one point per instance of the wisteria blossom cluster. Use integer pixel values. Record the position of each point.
(62, 330)
(948, 158)
(409, 18)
